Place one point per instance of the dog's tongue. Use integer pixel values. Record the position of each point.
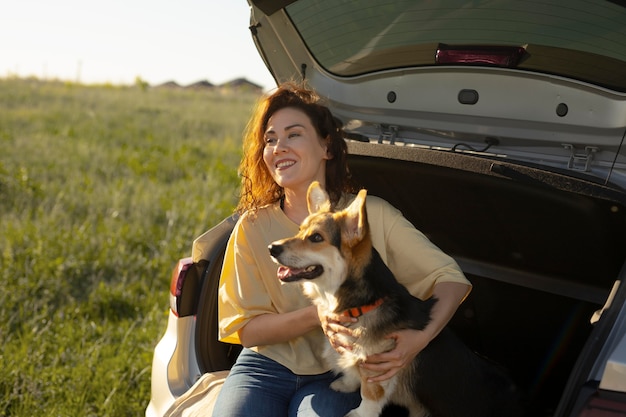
(285, 272)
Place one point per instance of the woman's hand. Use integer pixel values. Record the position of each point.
(336, 329)
(408, 343)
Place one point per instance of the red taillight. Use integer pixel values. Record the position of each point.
(501, 56)
(605, 405)
(176, 283)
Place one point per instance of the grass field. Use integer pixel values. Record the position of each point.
(102, 189)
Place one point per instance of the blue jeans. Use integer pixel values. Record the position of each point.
(260, 387)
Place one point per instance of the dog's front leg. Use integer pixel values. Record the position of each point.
(346, 367)
(349, 380)
(374, 396)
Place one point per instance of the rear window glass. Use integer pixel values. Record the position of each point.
(582, 39)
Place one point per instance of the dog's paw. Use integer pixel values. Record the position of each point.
(352, 413)
(355, 413)
(345, 384)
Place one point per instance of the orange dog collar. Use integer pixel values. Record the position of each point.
(359, 311)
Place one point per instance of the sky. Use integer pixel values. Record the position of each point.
(116, 41)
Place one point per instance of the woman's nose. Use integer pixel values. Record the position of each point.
(281, 146)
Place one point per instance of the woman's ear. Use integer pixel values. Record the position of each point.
(328, 154)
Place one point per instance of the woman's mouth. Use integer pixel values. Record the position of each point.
(284, 164)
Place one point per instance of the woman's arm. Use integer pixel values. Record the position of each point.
(410, 342)
(449, 296)
(269, 329)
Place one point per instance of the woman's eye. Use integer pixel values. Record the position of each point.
(270, 141)
(316, 238)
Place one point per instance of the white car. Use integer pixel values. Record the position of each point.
(498, 128)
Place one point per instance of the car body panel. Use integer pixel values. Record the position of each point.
(614, 375)
(173, 368)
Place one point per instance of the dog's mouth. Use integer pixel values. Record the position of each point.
(287, 274)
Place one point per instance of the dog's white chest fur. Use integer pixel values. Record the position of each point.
(324, 300)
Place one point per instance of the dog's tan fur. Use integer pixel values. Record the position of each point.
(332, 256)
(352, 257)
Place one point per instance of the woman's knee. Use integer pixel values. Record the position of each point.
(255, 387)
(317, 399)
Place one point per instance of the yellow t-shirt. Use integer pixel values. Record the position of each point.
(249, 285)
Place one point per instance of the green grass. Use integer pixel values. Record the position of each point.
(102, 189)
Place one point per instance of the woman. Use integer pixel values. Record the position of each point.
(291, 141)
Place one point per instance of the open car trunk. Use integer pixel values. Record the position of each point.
(542, 249)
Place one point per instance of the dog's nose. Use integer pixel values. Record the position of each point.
(275, 250)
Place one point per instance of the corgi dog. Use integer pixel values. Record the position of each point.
(333, 258)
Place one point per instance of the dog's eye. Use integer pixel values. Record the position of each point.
(316, 238)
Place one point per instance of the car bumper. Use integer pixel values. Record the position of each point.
(174, 366)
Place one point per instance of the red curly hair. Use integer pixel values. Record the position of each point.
(258, 188)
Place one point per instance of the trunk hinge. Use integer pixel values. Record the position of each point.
(579, 161)
(386, 132)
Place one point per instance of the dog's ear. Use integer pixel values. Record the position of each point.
(317, 198)
(356, 219)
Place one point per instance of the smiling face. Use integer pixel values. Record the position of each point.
(294, 153)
